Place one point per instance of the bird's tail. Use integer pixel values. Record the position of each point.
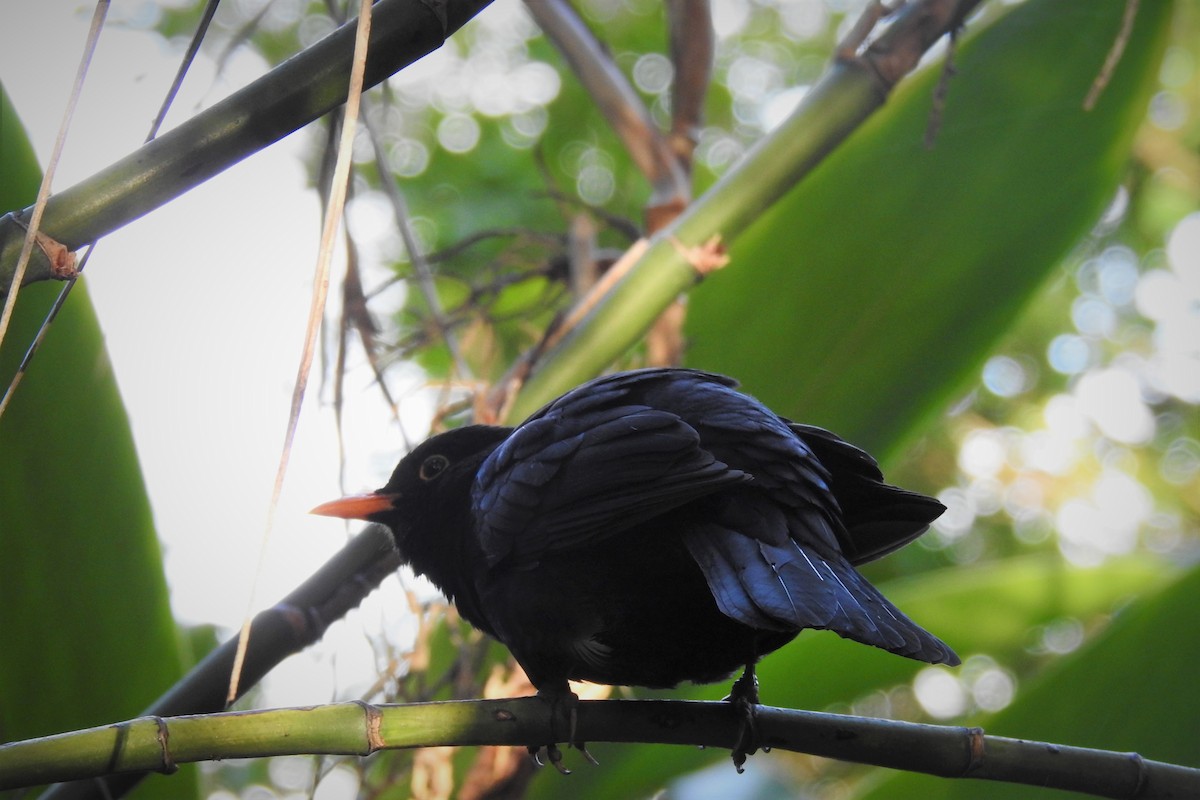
(877, 518)
(790, 586)
(865, 615)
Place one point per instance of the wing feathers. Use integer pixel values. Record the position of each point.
(791, 587)
(562, 481)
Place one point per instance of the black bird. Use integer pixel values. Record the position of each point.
(653, 527)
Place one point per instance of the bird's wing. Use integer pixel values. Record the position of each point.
(877, 518)
(790, 586)
(777, 551)
(774, 552)
(627, 447)
(589, 466)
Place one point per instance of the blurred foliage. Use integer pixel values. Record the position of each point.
(858, 293)
(1076, 702)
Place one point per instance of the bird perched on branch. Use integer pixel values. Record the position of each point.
(653, 527)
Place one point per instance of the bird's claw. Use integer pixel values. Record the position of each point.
(583, 751)
(553, 754)
(572, 739)
(747, 743)
(555, 757)
(744, 697)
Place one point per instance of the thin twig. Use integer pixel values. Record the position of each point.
(40, 336)
(425, 278)
(193, 49)
(570, 205)
(602, 288)
(31, 229)
(469, 241)
(354, 309)
(356, 313)
(1114, 55)
(689, 24)
(690, 29)
(460, 247)
(339, 366)
(943, 89)
(241, 36)
(582, 267)
(333, 217)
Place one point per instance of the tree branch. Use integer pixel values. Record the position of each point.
(288, 97)
(616, 99)
(619, 312)
(161, 744)
(292, 624)
(689, 24)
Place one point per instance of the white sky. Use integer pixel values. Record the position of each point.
(203, 307)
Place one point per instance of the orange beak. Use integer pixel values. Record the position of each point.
(356, 506)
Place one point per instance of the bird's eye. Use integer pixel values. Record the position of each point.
(432, 467)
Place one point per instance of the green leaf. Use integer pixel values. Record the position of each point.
(86, 636)
(871, 293)
(1131, 689)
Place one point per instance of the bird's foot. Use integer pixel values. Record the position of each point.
(562, 704)
(744, 697)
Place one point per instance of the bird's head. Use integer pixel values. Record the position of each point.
(430, 486)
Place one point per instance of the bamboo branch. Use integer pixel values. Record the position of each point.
(620, 312)
(292, 624)
(689, 24)
(160, 744)
(288, 97)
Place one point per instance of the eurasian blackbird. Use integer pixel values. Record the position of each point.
(652, 527)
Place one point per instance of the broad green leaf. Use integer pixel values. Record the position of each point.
(86, 634)
(870, 294)
(986, 609)
(1132, 689)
